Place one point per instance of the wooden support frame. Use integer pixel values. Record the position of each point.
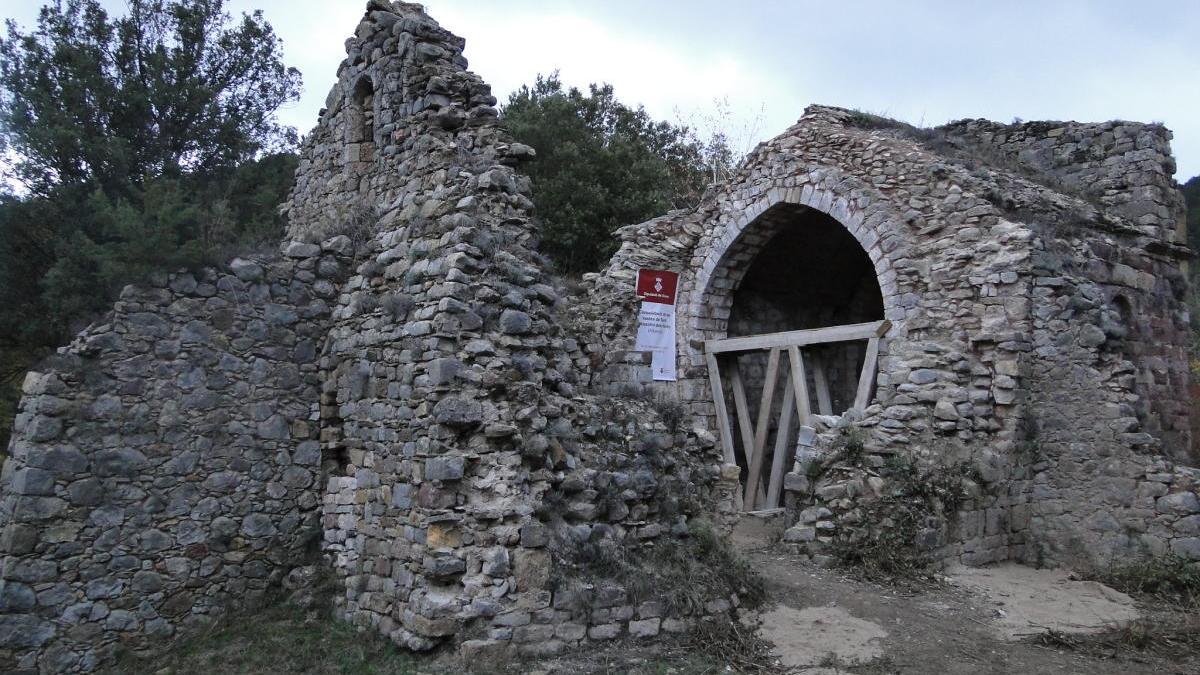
(800, 384)
(718, 392)
(755, 460)
(866, 379)
(782, 434)
(799, 338)
(764, 491)
(741, 408)
(824, 402)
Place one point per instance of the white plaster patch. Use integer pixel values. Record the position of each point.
(810, 636)
(1030, 601)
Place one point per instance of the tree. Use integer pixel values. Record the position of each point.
(172, 84)
(600, 165)
(142, 145)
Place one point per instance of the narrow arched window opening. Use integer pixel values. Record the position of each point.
(360, 126)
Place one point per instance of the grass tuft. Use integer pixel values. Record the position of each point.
(684, 573)
(278, 640)
(1168, 578)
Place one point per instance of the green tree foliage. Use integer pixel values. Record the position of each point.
(600, 165)
(172, 84)
(144, 143)
(64, 258)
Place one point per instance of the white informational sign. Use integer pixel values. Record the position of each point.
(656, 334)
(656, 321)
(662, 363)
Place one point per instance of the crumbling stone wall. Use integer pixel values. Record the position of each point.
(409, 75)
(468, 461)
(1103, 432)
(1125, 167)
(165, 464)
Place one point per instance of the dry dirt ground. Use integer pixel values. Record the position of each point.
(968, 621)
(817, 622)
(977, 621)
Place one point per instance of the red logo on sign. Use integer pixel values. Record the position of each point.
(657, 286)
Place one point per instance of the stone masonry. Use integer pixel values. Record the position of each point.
(405, 395)
(1032, 277)
(396, 396)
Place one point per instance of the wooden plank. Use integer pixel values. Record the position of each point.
(824, 403)
(866, 379)
(741, 408)
(856, 331)
(718, 393)
(760, 430)
(800, 383)
(782, 437)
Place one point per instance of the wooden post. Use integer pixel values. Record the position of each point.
(800, 382)
(718, 393)
(760, 431)
(866, 379)
(741, 408)
(824, 404)
(782, 436)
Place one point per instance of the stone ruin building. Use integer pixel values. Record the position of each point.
(405, 394)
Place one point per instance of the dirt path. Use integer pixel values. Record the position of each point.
(823, 618)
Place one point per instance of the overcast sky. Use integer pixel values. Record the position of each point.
(923, 62)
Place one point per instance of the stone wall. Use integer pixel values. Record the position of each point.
(165, 464)
(1107, 414)
(403, 398)
(409, 75)
(418, 401)
(1125, 167)
(468, 460)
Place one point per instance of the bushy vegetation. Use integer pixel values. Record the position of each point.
(602, 164)
(1167, 578)
(683, 573)
(279, 639)
(1191, 194)
(889, 537)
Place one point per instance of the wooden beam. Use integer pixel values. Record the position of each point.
(718, 393)
(782, 435)
(741, 408)
(866, 379)
(856, 331)
(800, 383)
(824, 403)
(760, 431)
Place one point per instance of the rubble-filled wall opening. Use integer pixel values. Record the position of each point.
(360, 130)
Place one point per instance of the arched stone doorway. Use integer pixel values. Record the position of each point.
(799, 310)
(811, 273)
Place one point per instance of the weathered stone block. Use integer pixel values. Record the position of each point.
(515, 322)
(444, 468)
(458, 413)
(605, 631)
(645, 628)
(1184, 503)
